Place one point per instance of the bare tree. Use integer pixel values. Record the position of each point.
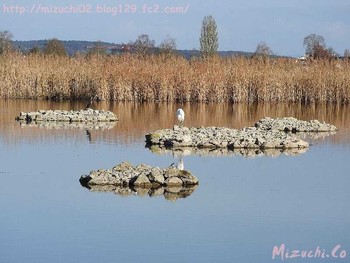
(143, 44)
(168, 45)
(262, 49)
(332, 52)
(5, 42)
(346, 53)
(320, 52)
(209, 42)
(313, 41)
(55, 47)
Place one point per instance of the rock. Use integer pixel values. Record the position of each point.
(187, 178)
(156, 176)
(172, 172)
(142, 181)
(173, 181)
(124, 166)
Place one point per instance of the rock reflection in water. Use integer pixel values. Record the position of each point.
(170, 193)
(217, 152)
(315, 135)
(68, 125)
(59, 125)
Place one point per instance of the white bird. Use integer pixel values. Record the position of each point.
(180, 114)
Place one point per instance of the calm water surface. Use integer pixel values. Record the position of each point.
(245, 205)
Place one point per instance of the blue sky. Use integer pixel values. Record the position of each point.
(242, 24)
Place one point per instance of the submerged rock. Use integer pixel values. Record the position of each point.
(290, 124)
(88, 115)
(142, 180)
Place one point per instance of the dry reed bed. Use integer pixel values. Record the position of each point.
(156, 78)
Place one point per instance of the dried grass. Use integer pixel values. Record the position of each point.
(175, 79)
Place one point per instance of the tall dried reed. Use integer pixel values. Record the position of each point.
(160, 78)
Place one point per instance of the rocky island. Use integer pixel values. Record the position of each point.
(267, 133)
(126, 179)
(87, 115)
(220, 137)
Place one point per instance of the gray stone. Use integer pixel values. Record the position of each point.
(122, 167)
(142, 180)
(156, 176)
(172, 172)
(173, 181)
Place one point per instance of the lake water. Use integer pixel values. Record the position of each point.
(244, 206)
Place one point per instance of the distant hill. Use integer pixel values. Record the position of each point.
(74, 46)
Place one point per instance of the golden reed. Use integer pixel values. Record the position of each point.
(173, 79)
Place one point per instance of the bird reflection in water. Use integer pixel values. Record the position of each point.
(179, 162)
(88, 135)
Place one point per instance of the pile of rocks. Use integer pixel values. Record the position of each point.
(88, 115)
(290, 124)
(216, 137)
(143, 176)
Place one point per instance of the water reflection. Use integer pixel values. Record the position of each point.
(179, 162)
(62, 125)
(217, 152)
(68, 125)
(135, 119)
(302, 201)
(315, 135)
(169, 193)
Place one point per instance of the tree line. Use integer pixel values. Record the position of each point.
(315, 45)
